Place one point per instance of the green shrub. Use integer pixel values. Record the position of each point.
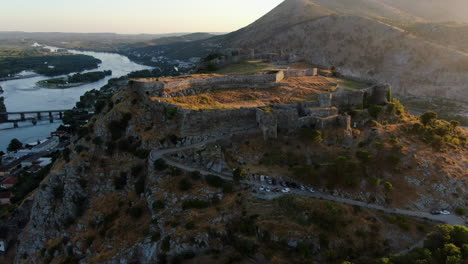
(428, 117)
(140, 186)
(158, 204)
(175, 172)
(388, 186)
(135, 212)
(195, 175)
(97, 141)
(120, 181)
(160, 165)
(239, 174)
(214, 181)
(195, 204)
(460, 211)
(190, 225)
(14, 145)
(66, 154)
(117, 127)
(155, 236)
(166, 244)
(185, 184)
(364, 156)
(375, 110)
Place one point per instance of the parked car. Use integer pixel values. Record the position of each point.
(274, 182)
(310, 189)
(435, 212)
(445, 212)
(262, 188)
(302, 188)
(277, 190)
(286, 190)
(267, 189)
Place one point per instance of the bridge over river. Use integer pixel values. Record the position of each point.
(33, 116)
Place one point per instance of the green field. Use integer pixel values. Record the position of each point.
(245, 68)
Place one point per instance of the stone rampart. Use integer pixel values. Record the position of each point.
(301, 72)
(218, 122)
(377, 94)
(166, 88)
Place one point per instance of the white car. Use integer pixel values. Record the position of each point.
(268, 189)
(286, 190)
(310, 189)
(302, 188)
(445, 212)
(262, 188)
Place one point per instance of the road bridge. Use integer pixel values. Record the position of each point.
(33, 116)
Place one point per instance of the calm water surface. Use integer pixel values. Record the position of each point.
(24, 95)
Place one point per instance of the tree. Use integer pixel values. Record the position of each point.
(2, 109)
(388, 186)
(454, 124)
(239, 174)
(428, 117)
(14, 145)
(160, 165)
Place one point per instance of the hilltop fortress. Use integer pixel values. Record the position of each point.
(283, 101)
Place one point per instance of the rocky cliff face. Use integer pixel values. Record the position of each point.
(108, 201)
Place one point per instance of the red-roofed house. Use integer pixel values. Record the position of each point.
(5, 198)
(7, 183)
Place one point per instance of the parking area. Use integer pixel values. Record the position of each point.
(269, 185)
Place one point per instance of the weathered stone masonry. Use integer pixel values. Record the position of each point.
(322, 114)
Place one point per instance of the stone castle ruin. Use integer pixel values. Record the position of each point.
(322, 113)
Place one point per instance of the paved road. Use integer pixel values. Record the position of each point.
(448, 219)
(160, 154)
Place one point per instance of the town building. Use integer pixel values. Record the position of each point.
(5, 198)
(3, 246)
(8, 183)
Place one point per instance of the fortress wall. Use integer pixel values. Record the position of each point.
(331, 122)
(207, 89)
(376, 95)
(219, 122)
(268, 124)
(287, 119)
(147, 88)
(301, 72)
(321, 112)
(160, 88)
(344, 98)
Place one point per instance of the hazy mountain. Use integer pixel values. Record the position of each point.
(339, 33)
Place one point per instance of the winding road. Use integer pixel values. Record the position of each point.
(161, 154)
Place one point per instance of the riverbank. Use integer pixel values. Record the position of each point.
(18, 77)
(75, 80)
(23, 94)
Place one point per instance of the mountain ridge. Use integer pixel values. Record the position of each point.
(360, 47)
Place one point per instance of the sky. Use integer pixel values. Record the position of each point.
(131, 16)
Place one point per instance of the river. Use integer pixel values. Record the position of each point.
(24, 95)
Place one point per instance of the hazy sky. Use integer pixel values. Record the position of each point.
(131, 16)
